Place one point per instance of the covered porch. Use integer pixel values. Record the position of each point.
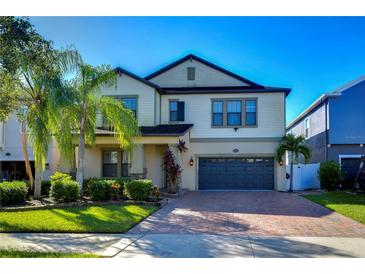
(145, 158)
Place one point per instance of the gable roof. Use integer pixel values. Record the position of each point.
(120, 70)
(318, 102)
(205, 62)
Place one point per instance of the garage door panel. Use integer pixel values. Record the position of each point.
(236, 173)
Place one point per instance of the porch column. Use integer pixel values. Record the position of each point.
(138, 163)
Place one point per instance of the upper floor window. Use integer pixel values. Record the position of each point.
(173, 111)
(251, 112)
(306, 128)
(217, 114)
(191, 73)
(177, 110)
(130, 103)
(234, 113)
(239, 112)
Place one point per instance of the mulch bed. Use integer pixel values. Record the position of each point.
(48, 203)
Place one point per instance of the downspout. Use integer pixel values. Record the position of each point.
(326, 130)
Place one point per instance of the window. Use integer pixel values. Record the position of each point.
(217, 118)
(191, 73)
(130, 103)
(237, 112)
(251, 111)
(110, 163)
(234, 113)
(173, 110)
(306, 128)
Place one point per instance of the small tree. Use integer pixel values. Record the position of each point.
(330, 176)
(294, 145)
(172, 171)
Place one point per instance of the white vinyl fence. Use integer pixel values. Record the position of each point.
(304, 176)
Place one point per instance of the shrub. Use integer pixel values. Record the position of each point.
(46, 185)
(58, 176)
(13, 193)
(45, 188)
(329, 175)
(104, 190)
(115, 187)
(138, 189)
(63, 188)
(86, 185)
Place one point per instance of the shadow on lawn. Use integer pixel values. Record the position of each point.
(109, 219)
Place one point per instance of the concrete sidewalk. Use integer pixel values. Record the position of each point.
(186, 245)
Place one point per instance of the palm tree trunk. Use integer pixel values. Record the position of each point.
(28, 169)
(81, 156)
(291, 173)
(38, 180)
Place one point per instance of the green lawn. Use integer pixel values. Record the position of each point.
(33, 254)
(350, 205)
(108, 218)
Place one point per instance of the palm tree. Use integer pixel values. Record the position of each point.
(31, 68)
(42, 98)
(86, 103)
(294, 145)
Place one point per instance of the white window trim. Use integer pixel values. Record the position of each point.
(341, 156)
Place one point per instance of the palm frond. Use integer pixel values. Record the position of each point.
(121, 119)
(293, 144)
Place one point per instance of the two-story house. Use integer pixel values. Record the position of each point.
(334, 126)
(231, 127)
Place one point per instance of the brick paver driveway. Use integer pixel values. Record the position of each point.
(248, 213)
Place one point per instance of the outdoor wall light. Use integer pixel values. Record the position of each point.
(191, 162)
(281, 162)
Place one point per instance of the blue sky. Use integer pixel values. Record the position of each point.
(311, 55)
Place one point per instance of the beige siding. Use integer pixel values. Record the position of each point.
(154, 161)
(128, 86)
(204, 76)
(93, 162)
(198, 111)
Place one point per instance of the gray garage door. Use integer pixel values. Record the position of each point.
(350, 167)
(236, 173)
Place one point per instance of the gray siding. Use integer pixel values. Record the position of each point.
(347, 116)
(336, 150)
(317, 134)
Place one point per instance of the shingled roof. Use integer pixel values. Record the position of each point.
(160, 130)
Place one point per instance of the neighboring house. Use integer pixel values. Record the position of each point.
(230, 125)
(334, 126)
(12, 165)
